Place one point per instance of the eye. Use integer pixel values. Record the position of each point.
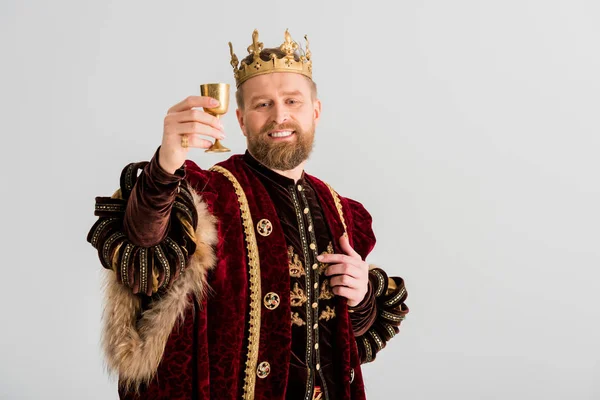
(262, 105)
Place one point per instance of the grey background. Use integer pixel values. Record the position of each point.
(469, 129)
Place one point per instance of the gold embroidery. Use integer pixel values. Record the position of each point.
(296, 320)
(368, 350)
(338, 205)
(297, 296)
(326, 292)
(327, 314)
(296, 267)
(323, 266)
(255, 289)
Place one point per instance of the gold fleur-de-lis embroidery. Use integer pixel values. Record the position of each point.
(296, 268)
(327, 314)
(296, 320)
(323, 266)
(297, 296)
(326, 292)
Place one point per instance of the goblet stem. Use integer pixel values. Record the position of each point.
(217, 147)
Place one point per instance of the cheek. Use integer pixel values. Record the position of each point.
(254, 122)
(306, 118)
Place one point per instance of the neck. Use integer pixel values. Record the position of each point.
(294, 174)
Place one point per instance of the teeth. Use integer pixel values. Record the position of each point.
(281, 134)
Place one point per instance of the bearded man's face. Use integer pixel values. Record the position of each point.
(279, 118)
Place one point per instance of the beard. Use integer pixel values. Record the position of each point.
(283, 155)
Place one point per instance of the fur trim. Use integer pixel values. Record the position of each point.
(134, 344)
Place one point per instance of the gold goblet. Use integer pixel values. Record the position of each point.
(219, 91)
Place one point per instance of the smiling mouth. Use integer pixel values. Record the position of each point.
(281, 134)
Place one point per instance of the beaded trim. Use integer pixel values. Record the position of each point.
(255, 288)
(165, 264)
(368, 350)
(99, 229)
(125, 263)
(180, 257)
(110, 207)
(109, 242)
(143, 270)
(394, 300)
(390, 330)
(377, 339)
(392, 317)
(380, 281)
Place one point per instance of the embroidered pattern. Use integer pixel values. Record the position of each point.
(326, 292)
(327, 314)
(323, 266)
(338, 205)
(255, 287)
(296, 268)
(296, 320)
(297, 296)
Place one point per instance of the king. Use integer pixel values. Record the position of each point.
(250, 279)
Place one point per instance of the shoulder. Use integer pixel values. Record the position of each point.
(351, 205)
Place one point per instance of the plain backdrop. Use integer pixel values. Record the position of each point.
(469, 129)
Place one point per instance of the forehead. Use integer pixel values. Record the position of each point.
(276, 83)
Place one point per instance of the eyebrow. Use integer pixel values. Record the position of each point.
(288, 93)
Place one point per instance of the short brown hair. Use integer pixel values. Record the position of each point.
(265, 55)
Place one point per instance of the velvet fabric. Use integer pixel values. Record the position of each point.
(201, 363)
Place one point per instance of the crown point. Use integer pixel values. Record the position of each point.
(288, 62)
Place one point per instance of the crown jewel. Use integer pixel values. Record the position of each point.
(287, 63)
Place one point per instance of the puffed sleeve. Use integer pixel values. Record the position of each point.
(380, 322)
(152, 250)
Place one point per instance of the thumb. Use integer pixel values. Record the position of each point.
(345, 246)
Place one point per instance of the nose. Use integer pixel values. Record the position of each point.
(280, 113)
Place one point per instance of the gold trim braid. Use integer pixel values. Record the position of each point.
(255, 289)
(338, 205)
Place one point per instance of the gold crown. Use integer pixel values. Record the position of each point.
(287, 63)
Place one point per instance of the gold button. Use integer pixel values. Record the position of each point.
(300, 188)
(314, 305)
(318, 367)
(271, 300)
(310, 228)
(264, 227)
(263, 370)
(316, 285)
(313, 246)
(315, 266)
(315, 326)
(306, 210)
(317, 346)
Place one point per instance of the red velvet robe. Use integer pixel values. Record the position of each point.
(218, 362)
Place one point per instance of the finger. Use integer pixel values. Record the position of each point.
(345, 246)
(196, 141)
(344, 291)
(193, 101)
(194, 116)
(344, 280)
(196, 128)
(343, 269)
(336, 258)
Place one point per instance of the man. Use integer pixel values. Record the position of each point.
(247, 280)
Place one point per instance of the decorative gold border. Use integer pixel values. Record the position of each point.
(338, 205)
(396, 299)
(368, 350)
(255, 289)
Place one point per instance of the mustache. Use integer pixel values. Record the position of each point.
(285, 126)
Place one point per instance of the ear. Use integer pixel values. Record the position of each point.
(317, 110)
(240, 118)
